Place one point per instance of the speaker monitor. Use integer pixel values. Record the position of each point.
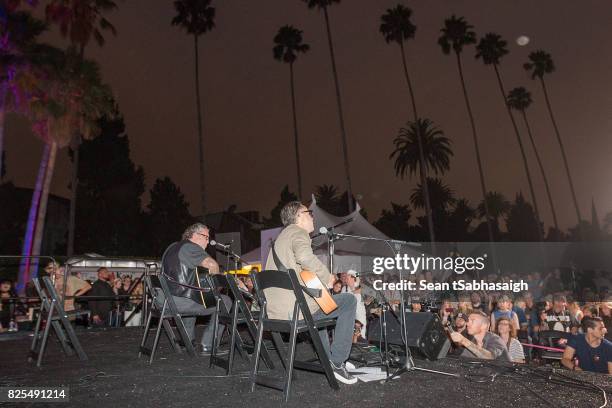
(424, 330)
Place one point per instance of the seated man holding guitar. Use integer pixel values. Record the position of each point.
(293, 250)
(180, 262)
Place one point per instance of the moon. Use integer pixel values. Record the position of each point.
(522, 40)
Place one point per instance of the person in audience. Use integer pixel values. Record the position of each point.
(477, 303)
(358, 334)
(589, 351)
(605, 312)
(486, 345)
(101, 308)
(558, 318)
(7, 303)
(337, 287)
(504, 309)
(505, 329)
(74, 286)
(576, 315)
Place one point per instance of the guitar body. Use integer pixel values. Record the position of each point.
(325, 301)
(207, 299)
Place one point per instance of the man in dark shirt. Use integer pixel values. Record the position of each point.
(591, 350)
(179, 264)
(485, 345)
(100, 309)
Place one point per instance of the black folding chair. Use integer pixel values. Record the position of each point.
(288, 280)
(52, 311)
(550, 338)
(231, 319)
(165, 310)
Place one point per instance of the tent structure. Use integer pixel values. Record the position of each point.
(349, 253)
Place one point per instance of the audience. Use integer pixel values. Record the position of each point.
(485, 344)
(506, 330)
(101, 308)
(504, 309)
(589, 351)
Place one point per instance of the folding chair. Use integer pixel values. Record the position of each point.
(547, 338)
(52, 311)
(288, 281)
(165, 311)
(238, 315)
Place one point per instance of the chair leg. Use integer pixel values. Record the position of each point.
(43, 344)
(172, 337)
(233, 344)
(323, 358)
(280, 348)
(290, 358)
(158, 332)
(258, 343)
(61, 336)
(145, 335)
(215, 322)
(180, 326)
(36, 332)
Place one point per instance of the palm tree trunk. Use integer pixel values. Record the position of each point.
(74, 186)
(295, 133)
(347, 170)
(522, 149)
(3, 92)
(563, 155)
(74, 182)
(483, 187)
(28, 241)
(422, 172)
(42, 209)
(200, 140)
(537, 155)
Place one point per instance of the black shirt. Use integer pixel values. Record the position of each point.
(101, 307)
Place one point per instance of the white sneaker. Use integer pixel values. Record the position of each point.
(350, 366)
(342, 375)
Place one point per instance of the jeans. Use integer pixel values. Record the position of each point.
(340, 350)
(193, 309)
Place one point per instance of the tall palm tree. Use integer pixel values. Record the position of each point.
(520, 99)
(491, 49)
(541, 63)
(456, 34)
(323, 5)
(288, 43)
(70, 99)
(80, 21)
(197, 17)
(396, 27)
(433, 153)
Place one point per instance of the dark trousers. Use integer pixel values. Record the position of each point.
(340, 349)
(194, 309)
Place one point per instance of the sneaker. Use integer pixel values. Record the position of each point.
(206, 351)
(350, 366)
(342, 375)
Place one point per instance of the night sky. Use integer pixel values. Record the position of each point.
(247, 111)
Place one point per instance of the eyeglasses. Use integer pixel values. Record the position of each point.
(205, 236)
(307, 212)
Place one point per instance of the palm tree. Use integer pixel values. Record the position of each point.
(396, 27)
(288, 43)
(433, 153)
(328, 198)
(197, 17)
(18, 31)
(442, 197)
(520, 99)
(495, 206)
(491, 49)
(541, 63)
(456, 34)
(70, 99)
(79, 20)
(323, 5)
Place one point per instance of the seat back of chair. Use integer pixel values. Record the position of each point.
(44, 299)
(163, 285)
(281, 280)
(218, 283)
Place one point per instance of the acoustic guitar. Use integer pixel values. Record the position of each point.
(325, 301)
(207, 298)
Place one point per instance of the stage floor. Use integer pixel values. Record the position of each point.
(115, 377)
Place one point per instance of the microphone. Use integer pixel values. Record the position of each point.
(323, 230)
(220, 245)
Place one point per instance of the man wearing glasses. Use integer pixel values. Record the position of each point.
(294, 250)
(179, 265)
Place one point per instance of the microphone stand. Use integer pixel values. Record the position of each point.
(409, 362)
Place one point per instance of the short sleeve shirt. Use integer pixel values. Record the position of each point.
(593, 359)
